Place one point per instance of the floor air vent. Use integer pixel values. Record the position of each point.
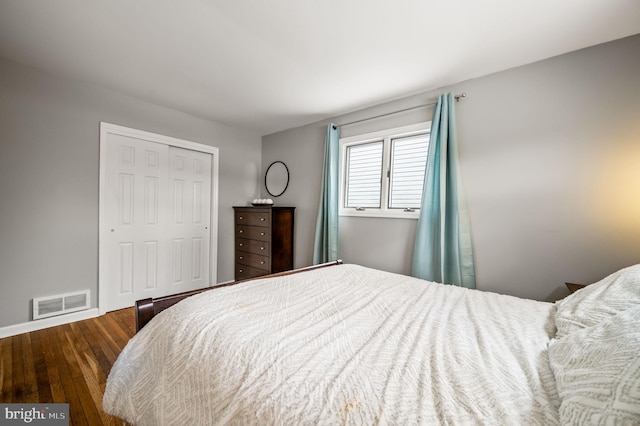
(50, 306)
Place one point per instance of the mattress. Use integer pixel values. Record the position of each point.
(340, 345)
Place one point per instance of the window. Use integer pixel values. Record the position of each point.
(382, 173)
(364, 168)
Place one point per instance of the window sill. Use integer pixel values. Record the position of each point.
(382, 215)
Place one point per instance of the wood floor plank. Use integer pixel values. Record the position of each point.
(17, 367)
(126, 318)
(68, 346)
(88, 361)
(89, 407)
(68, 363)
(108, 324)
(65, 354)
(81, 411)
(56, 368)
(40, 367)
(6, 371)
(89, 368)
(102, 353)
(107, 343)
(31, 386)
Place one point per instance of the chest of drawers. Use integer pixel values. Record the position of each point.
(263, 240)
(574, 287)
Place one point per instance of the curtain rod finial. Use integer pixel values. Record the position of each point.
(461, 95)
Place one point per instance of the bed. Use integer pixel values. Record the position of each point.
(346, 344)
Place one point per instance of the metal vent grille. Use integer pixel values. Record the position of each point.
(49, 306)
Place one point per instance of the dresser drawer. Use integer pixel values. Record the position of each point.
(253, 233)
(253, 218)
(253, 246)
(243, 272)
(251, 259)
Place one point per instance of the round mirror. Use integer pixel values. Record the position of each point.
(276, 179)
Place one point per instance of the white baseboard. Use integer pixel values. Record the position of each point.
(26, 327)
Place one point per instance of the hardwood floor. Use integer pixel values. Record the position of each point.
(68, 363)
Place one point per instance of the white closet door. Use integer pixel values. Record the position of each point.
(136, 219)
(189, 219)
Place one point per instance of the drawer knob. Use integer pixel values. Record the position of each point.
(240, 231)
(262, 219)
(241, 244)
(241, 257)
(261, 248)
(240, 270)
(262, 263)
(240, 218)
(262, 233)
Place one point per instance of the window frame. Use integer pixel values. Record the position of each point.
(386, 137)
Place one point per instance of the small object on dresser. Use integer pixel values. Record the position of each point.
(574, 287)
(263, 202)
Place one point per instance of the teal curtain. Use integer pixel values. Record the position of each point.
(326, 242)
(443, 249)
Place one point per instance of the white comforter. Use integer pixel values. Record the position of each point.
(339, 345)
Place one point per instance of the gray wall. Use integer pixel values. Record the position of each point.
(550, 157)
(49, 156)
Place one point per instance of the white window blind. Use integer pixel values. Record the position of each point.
(408, 161)
(382, 172)
(364, 171)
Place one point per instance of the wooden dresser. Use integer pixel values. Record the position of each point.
(574, 287)
(264, 240)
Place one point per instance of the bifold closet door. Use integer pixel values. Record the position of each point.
(136, 208)
(157, 214)
(189, 219)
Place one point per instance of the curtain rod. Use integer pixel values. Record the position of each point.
(457, 98)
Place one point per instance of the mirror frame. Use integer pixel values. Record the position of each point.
(267, 174)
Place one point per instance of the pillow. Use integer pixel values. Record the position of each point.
(597, 302)
(597, 372)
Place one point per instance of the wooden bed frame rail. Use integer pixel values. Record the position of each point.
(146, 309)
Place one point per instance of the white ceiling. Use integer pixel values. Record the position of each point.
(269, 65)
